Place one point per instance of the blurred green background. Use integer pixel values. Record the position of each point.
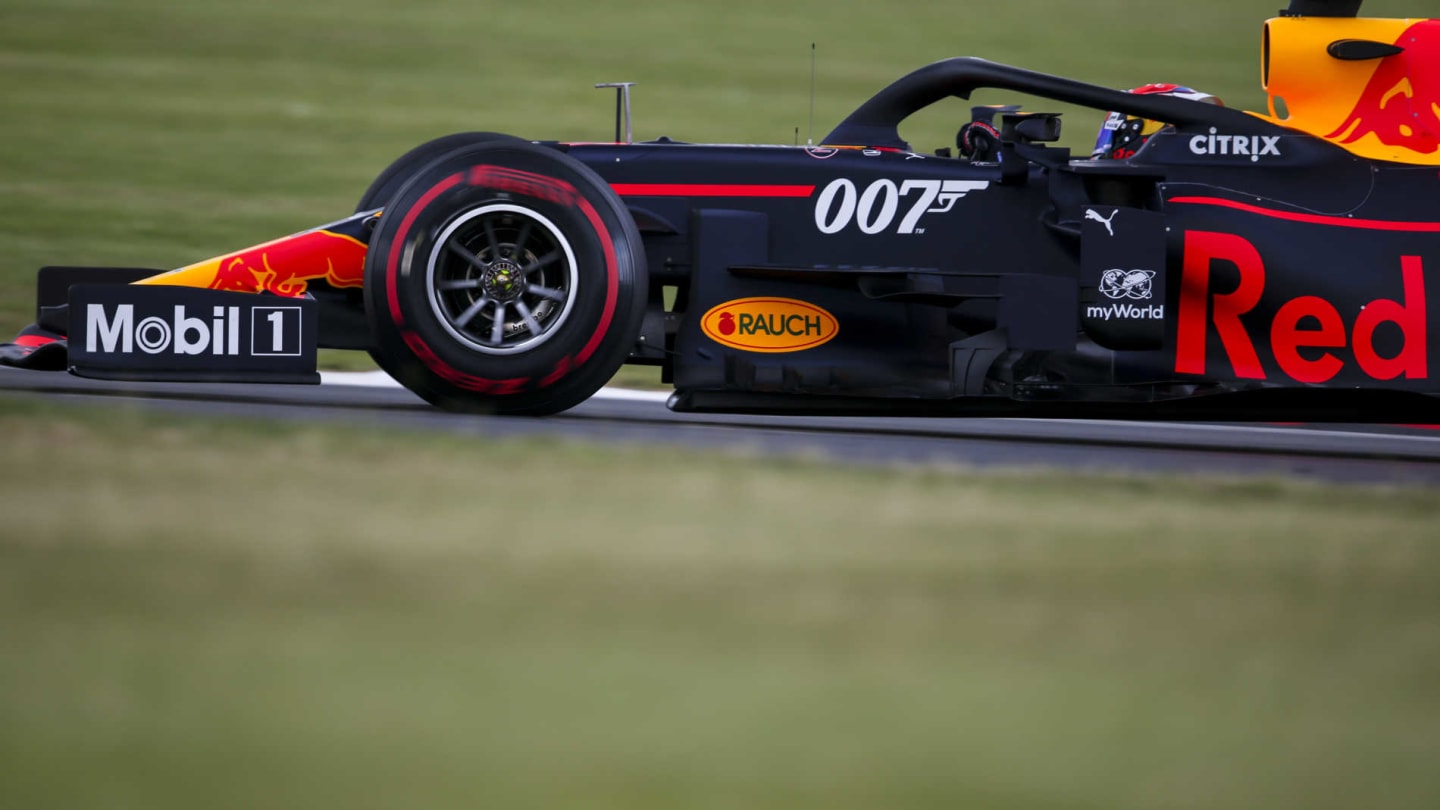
(226, 615)
(210, 614)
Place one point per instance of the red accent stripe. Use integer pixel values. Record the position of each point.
(35, 341)
(392, 265)
(1315, 219)
(708, 190)
(612, 280)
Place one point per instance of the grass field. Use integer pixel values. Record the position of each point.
(199, 614)
(219, 615)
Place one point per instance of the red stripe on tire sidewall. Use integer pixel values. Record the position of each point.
(392, 264)
(470, 381)
(612, 281)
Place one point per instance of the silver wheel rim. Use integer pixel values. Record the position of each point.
(502, 279)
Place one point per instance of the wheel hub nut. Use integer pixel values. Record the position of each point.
(504, 281)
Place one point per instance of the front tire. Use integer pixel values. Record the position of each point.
(505, 277)
(394, 177)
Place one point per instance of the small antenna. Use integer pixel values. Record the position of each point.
(810, 136)
(622, 109)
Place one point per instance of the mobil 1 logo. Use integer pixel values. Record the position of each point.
(154, 332)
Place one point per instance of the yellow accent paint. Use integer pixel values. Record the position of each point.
(199, 274)
(1401, 87)
(1319, 92)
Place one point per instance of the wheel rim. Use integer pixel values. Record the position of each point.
(502, 279)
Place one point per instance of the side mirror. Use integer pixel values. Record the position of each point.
(1030, 127)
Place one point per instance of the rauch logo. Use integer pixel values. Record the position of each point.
(1306, 322)
(769, 325)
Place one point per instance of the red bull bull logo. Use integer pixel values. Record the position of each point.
(334, 254)
(286, 266)
(1400, 106)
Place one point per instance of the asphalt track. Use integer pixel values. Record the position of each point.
(1341, 453)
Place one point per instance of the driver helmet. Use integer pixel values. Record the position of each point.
(1121, 136)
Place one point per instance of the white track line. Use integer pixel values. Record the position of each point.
(1278, 430)
(379, 379)
(369, 379)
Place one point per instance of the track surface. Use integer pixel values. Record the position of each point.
(1346, 453)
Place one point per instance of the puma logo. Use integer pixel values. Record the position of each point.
(1091, 213)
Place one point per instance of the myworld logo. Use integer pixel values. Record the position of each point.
(1126, 312)
(185, 334)
(1134, 284)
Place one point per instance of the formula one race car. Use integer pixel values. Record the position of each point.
(1205, 262)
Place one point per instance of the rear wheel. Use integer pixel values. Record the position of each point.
(506, 278)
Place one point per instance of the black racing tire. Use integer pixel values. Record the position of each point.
(505, 277)
(394, 177)
(389, 182)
